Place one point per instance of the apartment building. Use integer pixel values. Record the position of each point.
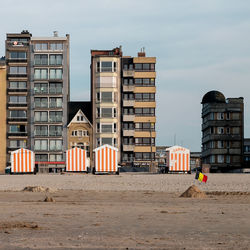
(106, 97)
(3, 115)
(38, 94)
(138, 109)
(222, 132)
(18, 88)
(123, 104)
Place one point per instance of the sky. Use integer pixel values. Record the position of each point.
(199, 46)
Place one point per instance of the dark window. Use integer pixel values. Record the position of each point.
(41, 59)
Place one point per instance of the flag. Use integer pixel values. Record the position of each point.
(204, 178)
(200, 178)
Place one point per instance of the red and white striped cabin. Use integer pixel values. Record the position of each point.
(106, 159)
(178, 159)
(76, 160)
(22, 161)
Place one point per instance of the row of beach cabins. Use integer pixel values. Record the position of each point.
(105, 160)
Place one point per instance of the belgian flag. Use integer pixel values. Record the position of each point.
(201, 177)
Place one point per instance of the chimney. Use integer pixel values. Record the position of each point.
(142, 53)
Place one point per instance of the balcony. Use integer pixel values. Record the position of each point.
(128, 147)
(128, 88)
(128, 103)
(129, 132)
(128, 118)
(128, 73)
(17, 134)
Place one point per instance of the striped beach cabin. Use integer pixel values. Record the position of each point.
(76, 160)
(178, 159)
(22, 161)
(106, 159)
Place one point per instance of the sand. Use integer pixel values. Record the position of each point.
(129, 211)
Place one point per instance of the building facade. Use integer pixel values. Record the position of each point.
(38, 94)
(222, 132)
(3, 116)
(123, 104)
(80, 132)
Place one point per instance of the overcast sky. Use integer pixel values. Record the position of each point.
(200, 46)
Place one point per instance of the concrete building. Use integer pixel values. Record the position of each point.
(80, 132)
(38, 94)
(222, 132)
(123, 100)
(3, 115)
(106, 97)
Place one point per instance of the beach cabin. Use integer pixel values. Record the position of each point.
(22, 161)
(106, 159)
(178, 159)
(77, 160)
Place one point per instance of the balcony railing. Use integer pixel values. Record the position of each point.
(128, 147)
(128, 73)
(128, 118)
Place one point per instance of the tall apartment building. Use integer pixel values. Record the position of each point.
(3, 115)
(38, 94)
(222, 132)
(123, 100)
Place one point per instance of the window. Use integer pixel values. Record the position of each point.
(18, 85)
(128, 96)
(55, 130)
(128, 140)
(41, 130)
(228, 115)
(41, 46)
(220, 144)
(41, 102)
(128, 81)
(107, 96)
(55, 116)
(107, 141)
(106, 66)
(228, 144)
(212, 116)
(41, 60)
(220, 158)
(55, 102)
(41, 116)
(56, 46)
(55, 88)
(212, 130)
(41, 145)
(18, 70)
(41, 157)
(55, 145)
(220, 116)
(211, 144)
(145, 97)
(18, 55)
(228, 159)
(144, 66)
(18, 114)
(41, 74)
(18, 99)
(128, 111)
(57, 158)
(144, 156)
(144, 111)
(17, 129)
(144, 141)
(55, 59)
(41, 88)
(212, 159)
(74, 133)
(145, 126)
(144, 81)
(228, 130)
(55, 74)
(18, 144)
(128, 126)
(220, 130)
(107, 128)
(107, 112)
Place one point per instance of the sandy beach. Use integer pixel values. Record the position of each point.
(129, 211)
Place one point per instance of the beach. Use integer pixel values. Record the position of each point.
(129, 211)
